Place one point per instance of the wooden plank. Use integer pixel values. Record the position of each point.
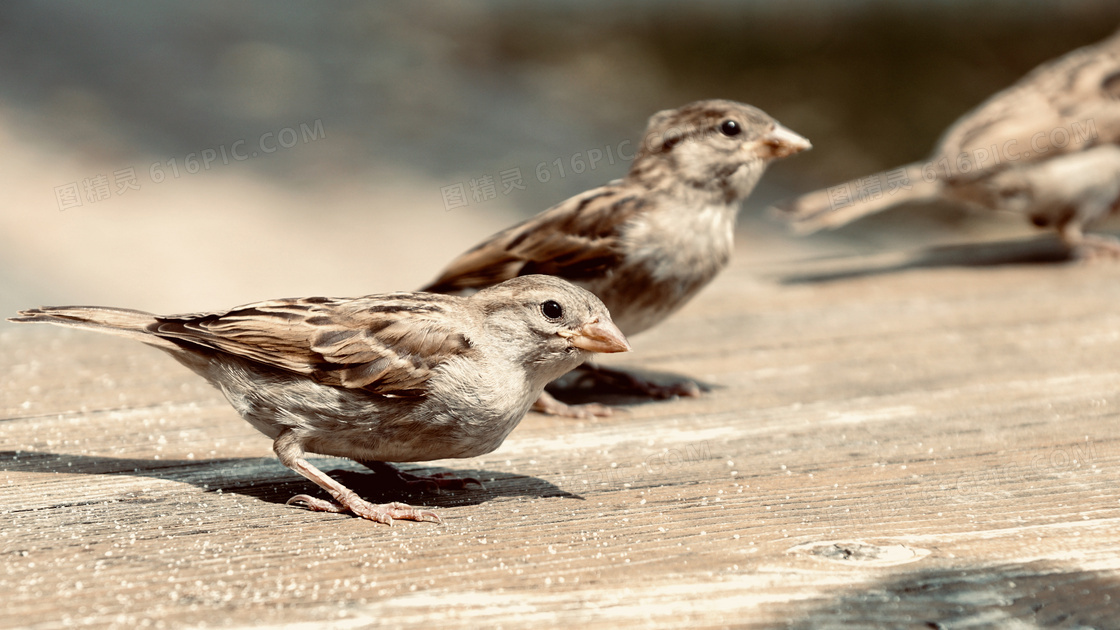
(885, 445)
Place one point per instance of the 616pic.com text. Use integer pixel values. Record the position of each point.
(100, 187)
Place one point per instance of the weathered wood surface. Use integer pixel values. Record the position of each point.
(887, 444)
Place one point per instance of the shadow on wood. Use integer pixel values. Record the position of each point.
(1037, 594)
(611, 386)
(1038, 251)
(259, 478)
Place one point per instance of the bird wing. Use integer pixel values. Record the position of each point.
(386, 344)
(1065, 105)
(575, 240)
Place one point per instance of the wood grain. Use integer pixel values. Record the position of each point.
(929, 443)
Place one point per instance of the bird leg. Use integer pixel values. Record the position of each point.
(549, 406)
(291, 454)
(427, 483)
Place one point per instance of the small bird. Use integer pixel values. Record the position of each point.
(1046, 147)
(397, 377)
(647, 243)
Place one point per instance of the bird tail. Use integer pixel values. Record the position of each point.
(836, 206)
(121, 322)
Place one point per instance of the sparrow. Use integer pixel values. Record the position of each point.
(646, 243)
(1046, 148)
(397, 377)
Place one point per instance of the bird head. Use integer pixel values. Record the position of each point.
(716, 147)
(550, 324)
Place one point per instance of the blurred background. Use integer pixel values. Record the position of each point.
(174, 156)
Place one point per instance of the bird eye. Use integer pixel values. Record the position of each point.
(551, 309)
(730, 128)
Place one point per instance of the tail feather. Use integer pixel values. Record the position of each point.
(838, 205)
(121, 322)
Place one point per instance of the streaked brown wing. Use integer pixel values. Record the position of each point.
(576, 239)
(1064, 105)
(386, 344)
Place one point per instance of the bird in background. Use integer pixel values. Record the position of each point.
(647, 243)
(1048, 147)
(398, 377)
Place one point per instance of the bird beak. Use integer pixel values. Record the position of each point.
(598, 336)
(782, 142)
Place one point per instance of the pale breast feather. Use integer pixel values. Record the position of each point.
(680, 241)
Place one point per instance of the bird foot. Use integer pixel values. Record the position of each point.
(548, 405)
(1094, 247)
(384, 513)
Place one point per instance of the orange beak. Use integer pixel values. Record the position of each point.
(599, 336)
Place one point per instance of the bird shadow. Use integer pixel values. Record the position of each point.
(265, 479)
(1036, 251)
(1035, 595)
(611, 387)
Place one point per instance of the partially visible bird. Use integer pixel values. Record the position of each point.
(398, 377)
(1046, 147)
(647, 243)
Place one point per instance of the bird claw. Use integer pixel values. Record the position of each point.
(1093, 247)
(384, 513)
(315, 505)
(549, 406)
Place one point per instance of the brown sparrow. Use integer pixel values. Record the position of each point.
(1045, 147)
(647, 243)
(399, 377)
